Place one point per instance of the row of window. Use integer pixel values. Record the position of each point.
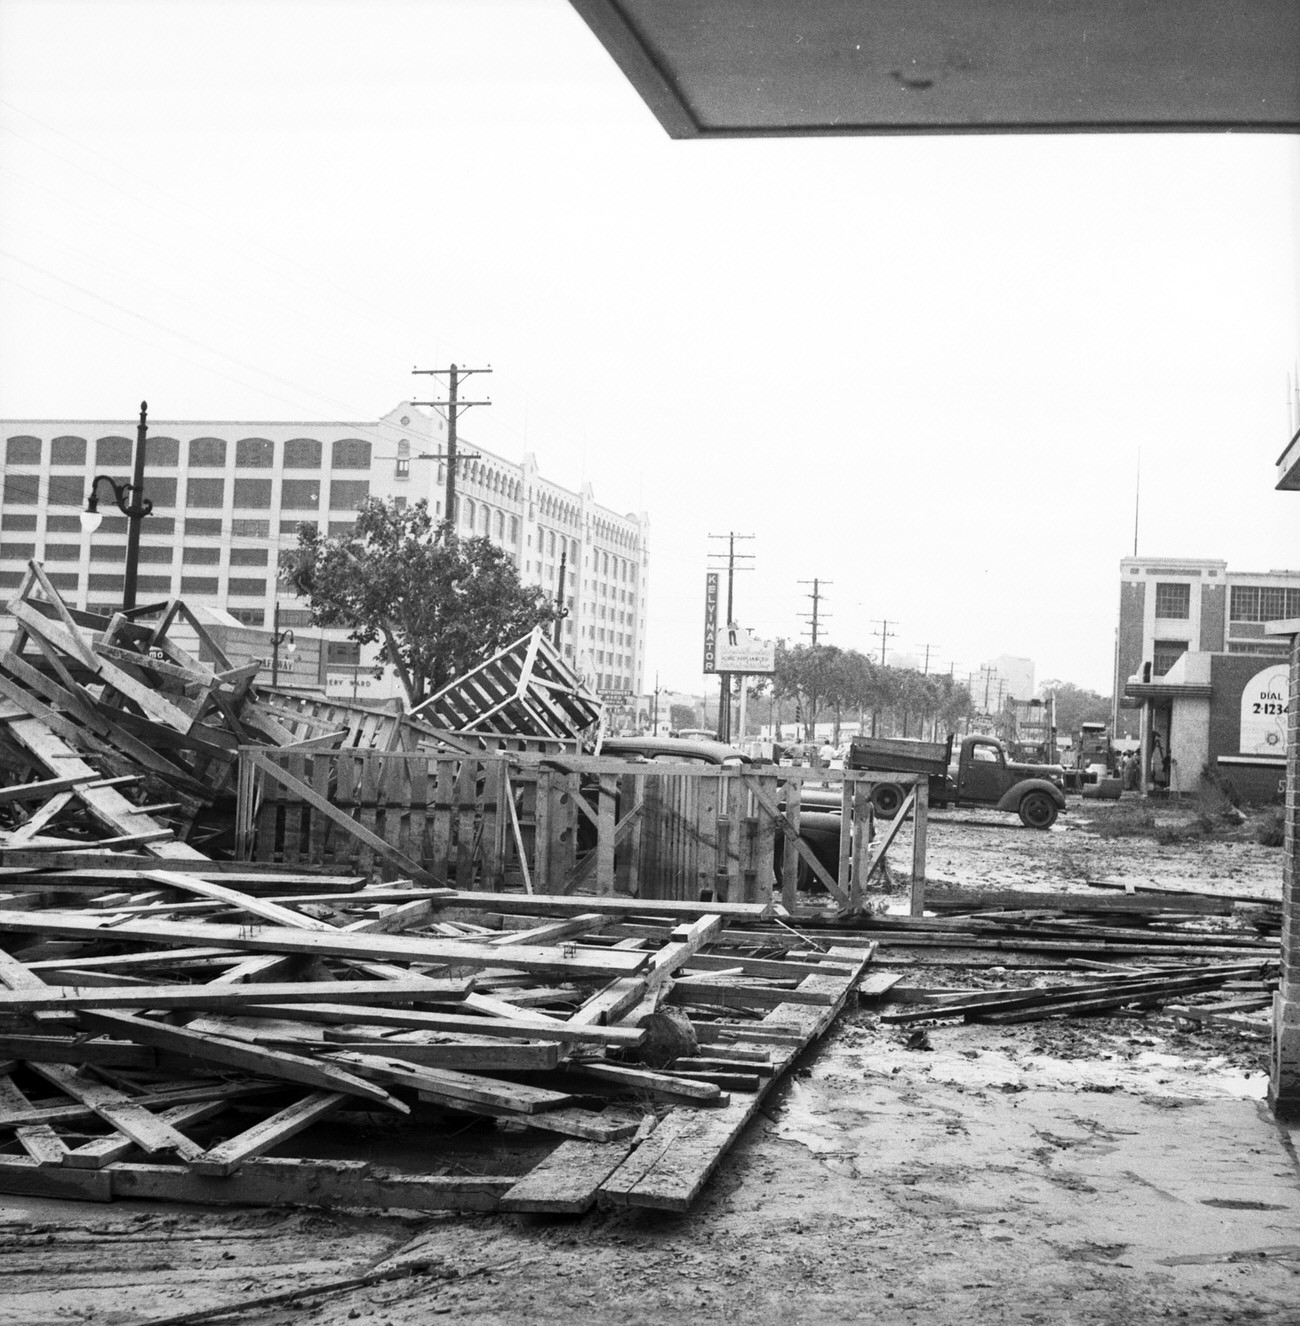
(1263, 603)
(111, 582)
(298, 453)
(295, 494)
(197, 554)
(1246, 603)
(204, 527)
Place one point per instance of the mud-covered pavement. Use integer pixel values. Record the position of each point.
(1101, 1170)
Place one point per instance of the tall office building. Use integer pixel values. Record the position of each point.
(228, 496)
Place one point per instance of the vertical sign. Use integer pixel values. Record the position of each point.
(711, 622)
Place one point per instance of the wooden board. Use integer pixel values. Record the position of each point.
(667, 1171)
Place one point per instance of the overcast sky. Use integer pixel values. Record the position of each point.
(919, 369)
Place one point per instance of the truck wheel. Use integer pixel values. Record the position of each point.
(1037, 811)
(886, 798)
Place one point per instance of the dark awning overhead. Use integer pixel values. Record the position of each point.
(740, 68)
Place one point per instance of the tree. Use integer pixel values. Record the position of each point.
(682, 715)
(1075, 705)
(437, 605)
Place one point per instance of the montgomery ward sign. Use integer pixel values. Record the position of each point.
(711, 622)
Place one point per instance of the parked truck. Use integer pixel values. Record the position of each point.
(979, 772)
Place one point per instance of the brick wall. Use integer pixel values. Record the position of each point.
(1214, 618)
(1128, 641)
(1284, 1086)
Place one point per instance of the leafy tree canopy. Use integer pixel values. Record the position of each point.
(437, 605)
(1075, 705)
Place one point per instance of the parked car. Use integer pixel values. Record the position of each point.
(680, 750)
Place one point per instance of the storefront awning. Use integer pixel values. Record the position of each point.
(746, 68)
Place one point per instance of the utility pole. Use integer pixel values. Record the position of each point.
(816, 615)
(885, 634)
(453, 405)
(925, 671)
(989, 674)
(724, 705)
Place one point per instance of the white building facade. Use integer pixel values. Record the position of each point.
(229, 496)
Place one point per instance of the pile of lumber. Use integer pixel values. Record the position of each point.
(1017, 928)
(162, 1031)
(1099, 994)
(112, 733)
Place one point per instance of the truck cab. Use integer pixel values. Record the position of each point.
(976, 772)
(985, 774)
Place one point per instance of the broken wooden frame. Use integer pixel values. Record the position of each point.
(676, 831)
(525, 690)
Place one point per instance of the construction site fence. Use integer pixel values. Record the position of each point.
(571, 824)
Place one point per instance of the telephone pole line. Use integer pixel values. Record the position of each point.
(724, 701)
(927, 646)
(885, 634)
(453, 405)
(816, 615)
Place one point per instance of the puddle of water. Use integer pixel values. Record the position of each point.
(1149, 1071)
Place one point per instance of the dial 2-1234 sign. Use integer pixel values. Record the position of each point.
(1263, 712)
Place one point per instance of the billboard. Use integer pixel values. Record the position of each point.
(737, 651)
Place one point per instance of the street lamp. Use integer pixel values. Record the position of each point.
(130, 501)
(278, 638)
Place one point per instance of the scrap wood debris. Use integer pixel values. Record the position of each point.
(187, 1036)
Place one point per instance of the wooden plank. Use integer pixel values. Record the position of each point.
(105, 803)
(920, 816)
(451, 1085)
(517, 1028)
(267, 1181)
(266, 1134)
(415, 989)
(569, 962)
(540, 904)
(647, 1080)
(250, 1059)
(117, 1146)
(322, 806)
(567, 1181)
(667, 1171)
(123, 1114)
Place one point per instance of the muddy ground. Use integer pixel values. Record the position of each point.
(1117, 1170)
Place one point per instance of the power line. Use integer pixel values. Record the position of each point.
(453, 406)
(724, 707)
(816, 615)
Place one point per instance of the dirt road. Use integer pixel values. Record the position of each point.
(1118, 1170)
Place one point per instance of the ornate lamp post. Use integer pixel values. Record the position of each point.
(130, 501)
(278, 638)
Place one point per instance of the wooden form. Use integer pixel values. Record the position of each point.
(111, 733)
(675, 832)
(525, 690)
(558, 991)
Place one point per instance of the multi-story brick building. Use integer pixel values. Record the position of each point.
(228, 496)
(1193, 649)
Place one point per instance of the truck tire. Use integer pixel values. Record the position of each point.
(886, 798)
(1037, 810)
